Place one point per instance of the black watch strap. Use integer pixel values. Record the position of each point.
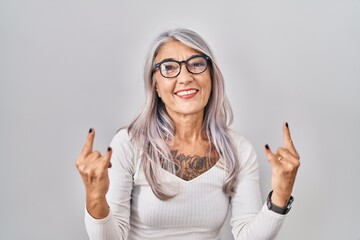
(278, 209)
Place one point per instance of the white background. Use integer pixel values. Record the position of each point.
(66, 66)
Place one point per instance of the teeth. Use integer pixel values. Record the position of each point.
(183, 93)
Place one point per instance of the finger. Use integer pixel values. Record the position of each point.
(93, 156)
(288, 142)
(87, 149)
(271, 156)
(286, 135)
(287, 156)
(107, 157)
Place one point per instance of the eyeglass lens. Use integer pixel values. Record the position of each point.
(194, 65)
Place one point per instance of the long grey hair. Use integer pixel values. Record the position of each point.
(152, 130)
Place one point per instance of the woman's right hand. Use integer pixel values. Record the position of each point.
(93, 168)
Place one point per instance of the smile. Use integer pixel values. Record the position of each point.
(186, 92)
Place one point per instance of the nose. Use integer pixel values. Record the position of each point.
(184, 76)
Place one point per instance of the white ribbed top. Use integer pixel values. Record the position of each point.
(199, 209)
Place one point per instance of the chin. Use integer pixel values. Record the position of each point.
(191, 111)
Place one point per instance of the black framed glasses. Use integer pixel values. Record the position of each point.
(170, 68)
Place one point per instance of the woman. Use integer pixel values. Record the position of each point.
(177, 168)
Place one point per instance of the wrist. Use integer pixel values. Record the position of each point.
(94, 195)
(276, 208)
(279, 200)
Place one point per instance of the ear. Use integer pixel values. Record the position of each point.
(157, 90)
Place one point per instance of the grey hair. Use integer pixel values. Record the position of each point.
(152, 130)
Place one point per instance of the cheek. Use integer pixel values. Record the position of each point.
(163, 88)
(208, 85)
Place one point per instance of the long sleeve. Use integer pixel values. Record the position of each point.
(117, 224)
(251, 220)
(186, 216)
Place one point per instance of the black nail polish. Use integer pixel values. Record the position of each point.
(287, 125)
(267, 146)
(110, 165)
(90, 130)
(109, 149)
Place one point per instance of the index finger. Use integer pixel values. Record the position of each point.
(87, 149)
(288, 142)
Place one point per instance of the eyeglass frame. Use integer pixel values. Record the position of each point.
(207, 58)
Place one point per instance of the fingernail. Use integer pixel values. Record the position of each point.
(287, 125)
(90, 130)
(110, 165)
(109, 149)
(267, 146)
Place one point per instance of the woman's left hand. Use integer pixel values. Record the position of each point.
(285, 163)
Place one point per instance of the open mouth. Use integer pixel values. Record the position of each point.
(186, 93)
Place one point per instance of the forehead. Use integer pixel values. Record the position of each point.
(175, 50)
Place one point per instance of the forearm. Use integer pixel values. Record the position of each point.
(265, 225)
(98, 208)
(103, 229)
(100, 222)
(107, 216)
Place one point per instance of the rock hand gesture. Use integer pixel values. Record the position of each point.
(285, 162)
(93, 168)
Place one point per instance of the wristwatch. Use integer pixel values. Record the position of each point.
(278, 209)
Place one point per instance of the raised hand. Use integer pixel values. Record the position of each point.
(285, 162)
(93, 168)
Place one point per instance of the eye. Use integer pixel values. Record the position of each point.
(169, 66)
(197, 63)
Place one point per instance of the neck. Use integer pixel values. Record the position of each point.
(188, 128)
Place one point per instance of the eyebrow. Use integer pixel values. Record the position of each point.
(167, 59)
(172, 59)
